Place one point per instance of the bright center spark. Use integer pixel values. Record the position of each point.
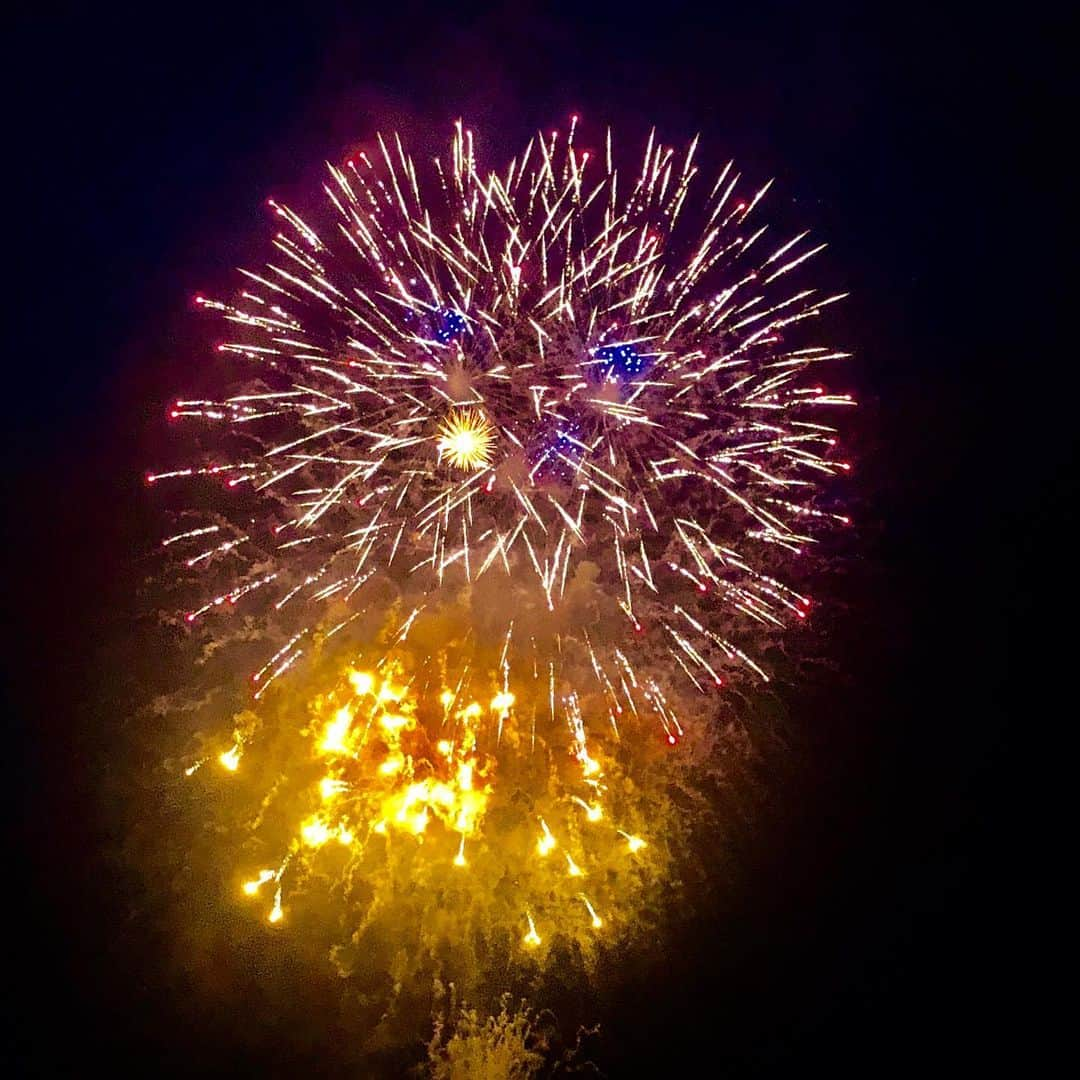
(466, 440)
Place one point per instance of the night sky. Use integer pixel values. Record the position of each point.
(889, 923)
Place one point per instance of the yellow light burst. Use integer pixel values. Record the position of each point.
(362, 682)
(329, 787)
(502, 701)
(391, 772)
(466, 440)
(336, 730)
(251, 888)
(231, 758)
(315, 833)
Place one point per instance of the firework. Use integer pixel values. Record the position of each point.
(403, 769)
(465, 440)
(596, 387)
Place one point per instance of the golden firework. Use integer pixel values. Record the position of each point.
(466, 439)
(397, 773)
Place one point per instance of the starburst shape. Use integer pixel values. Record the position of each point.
(466, 440)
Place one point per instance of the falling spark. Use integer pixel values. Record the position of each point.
(532, 938)
(276, 912)
(597, 922)
(546, 842)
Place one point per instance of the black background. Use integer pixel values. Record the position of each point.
(892, 925)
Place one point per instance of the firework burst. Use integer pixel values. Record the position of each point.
(466, 440)
(594, 386)
(397, 771)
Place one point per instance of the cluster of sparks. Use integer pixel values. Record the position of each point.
(392, 776)
(538, 368)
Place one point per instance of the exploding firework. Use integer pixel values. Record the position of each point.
(401, 783)
(466, 440)
(592, 389)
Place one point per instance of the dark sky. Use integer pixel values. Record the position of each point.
(142, 147)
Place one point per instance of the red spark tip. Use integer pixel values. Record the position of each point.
(703, 588)
(801, 614)
(637, 628)
(199, 300)
(190, 616)
(671, 740)
(718, 682)
(845, 465)
(150, 478)
(173, 414)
